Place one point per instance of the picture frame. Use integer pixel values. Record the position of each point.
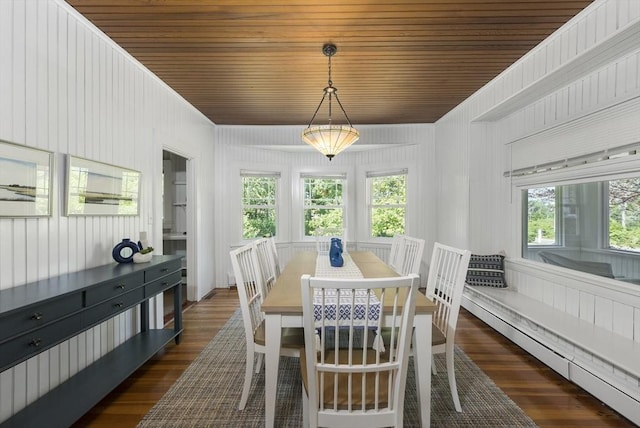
(26, 177)
(95, 188)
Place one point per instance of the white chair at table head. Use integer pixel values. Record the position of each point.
(334, 379)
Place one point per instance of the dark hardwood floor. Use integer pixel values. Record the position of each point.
(545, 396)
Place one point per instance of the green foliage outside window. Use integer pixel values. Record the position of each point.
(388, 205)
(624, 214)
(541, 225)
(323, 204)
(258, 206)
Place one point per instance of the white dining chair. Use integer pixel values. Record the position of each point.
(274, 255)
(349, 383)
(410, 258)
(246, 269)
(445, 285)
(323, 239)
(267, 262)
(395, 252)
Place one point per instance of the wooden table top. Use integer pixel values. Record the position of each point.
(286, 296)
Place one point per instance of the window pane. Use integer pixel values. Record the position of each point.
(389, 190)
(624, 214)
(387, 205)
(322, 191)
(258, 206)
(315, 218)
(323, 204)
(387, 222)
(258, 222)
(541, 216)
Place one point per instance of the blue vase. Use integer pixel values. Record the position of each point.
(335, 253)
(123, 252)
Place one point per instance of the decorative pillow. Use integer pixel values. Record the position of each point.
(486, 270)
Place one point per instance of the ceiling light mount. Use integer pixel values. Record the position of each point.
(330, 139)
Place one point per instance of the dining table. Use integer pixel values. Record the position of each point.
(282, 307)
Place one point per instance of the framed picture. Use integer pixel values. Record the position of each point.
(25, 181)
(96, 188)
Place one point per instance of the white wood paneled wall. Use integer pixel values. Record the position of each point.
(67, 88)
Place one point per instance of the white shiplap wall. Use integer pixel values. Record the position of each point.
(67, 88)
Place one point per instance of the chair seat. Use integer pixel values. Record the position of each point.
(292, 337)
(356, 379)
(437, 336)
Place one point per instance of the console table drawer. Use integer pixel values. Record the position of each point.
(159, 285)
(112, 307)
(111, 289)
(156, 272)
(36, 341)
(37, 315)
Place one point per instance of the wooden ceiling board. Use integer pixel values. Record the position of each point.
(258, 62)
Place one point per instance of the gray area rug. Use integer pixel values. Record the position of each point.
(208, 392)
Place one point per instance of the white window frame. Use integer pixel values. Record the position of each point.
(369, 177)
(262, 174)
(345, 199)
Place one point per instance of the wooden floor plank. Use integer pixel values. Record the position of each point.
(549, 399)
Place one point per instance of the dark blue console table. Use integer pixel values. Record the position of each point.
(36, 316)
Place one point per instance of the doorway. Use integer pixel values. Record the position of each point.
(174, 220)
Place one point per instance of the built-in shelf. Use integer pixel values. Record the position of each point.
(179, 204)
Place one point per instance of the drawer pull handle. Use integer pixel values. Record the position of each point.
(120, 286)
(35, 342)
(164, 270)
(118, 305)
(36, 316)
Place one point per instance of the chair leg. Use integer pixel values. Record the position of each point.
(248, 375)
(433, 366)
(305, 409)
(451, 374)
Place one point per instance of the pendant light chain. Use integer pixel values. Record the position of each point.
(330, 139)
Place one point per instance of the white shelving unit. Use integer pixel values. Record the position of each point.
(175, 208)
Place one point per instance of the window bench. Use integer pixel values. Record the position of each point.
(602, 362)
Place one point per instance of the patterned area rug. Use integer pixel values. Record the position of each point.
(208, 392)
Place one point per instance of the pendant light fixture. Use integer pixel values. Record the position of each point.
(330, 139)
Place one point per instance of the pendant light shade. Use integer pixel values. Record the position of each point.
(330, 139)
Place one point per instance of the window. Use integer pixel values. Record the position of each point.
(541, 224)
(323, 202)
(592, 227)
(259, 204)
(624, 214)
(387, 203)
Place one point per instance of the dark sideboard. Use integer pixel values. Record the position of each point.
(39, 315)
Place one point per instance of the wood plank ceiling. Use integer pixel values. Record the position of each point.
(260, 62)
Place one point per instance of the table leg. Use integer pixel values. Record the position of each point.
(273, 330)
(422, 362)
